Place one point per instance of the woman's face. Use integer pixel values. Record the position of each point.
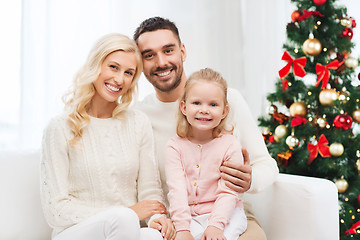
(117, 72)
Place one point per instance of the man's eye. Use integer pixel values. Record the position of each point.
(148, 56)
(168, 51)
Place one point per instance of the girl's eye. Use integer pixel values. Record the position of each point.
(213, 104)
(196, 103)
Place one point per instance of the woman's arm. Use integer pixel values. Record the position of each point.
(59, 210)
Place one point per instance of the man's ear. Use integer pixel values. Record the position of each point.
(183, 52)
(183, 107)
(225, 112)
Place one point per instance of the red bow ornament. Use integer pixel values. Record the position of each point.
(353, 228)
(297, 64)
(298, 120)
(285, 85)
(324, 73)
(321, 147)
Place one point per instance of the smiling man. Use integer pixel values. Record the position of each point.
(163, 55)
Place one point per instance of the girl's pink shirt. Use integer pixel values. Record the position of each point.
(193, 177)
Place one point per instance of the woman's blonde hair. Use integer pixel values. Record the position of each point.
(183, 128)
(77, 100)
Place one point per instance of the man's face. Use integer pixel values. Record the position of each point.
(163, 58)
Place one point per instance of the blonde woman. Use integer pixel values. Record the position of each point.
(99, 177)
(201, 205)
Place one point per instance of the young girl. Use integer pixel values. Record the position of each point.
(201, 206)
(98, 172)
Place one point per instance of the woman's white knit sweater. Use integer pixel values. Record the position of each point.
(113, 165)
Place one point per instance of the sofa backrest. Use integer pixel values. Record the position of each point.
(21, 215)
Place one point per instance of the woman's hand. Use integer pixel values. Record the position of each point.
(213, 233)
(237, 176)
(147, 208)
(165, 226)
(184, 235)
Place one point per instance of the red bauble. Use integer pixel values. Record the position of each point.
(319, 2)
(343, 121)
(347, 32)
(295, 15)
(353, 22)
(359, 198)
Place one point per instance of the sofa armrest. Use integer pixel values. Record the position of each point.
(21, 215)
(297, 208)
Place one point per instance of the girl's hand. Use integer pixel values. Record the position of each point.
(213, 233)
(184, 235)
(165, 226)
(147, 208)
(237, 176)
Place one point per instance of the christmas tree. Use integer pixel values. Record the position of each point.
(313, 117)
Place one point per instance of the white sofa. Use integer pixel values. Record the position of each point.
(293, 208)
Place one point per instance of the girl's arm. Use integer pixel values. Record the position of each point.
(226, 199)
(176, 181)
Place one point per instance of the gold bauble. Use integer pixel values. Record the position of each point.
(356, 115)
(346, 22)
(351, 62)
(292, 141)
(358, 166)
(328, 96)
(321, 122)
(344, 96)
(336, 149)
(312, 47)
(280, 131)
(271, 109)
(342, 185)
(297, 109)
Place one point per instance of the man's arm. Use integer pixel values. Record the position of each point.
(260, 169)
(237, 176)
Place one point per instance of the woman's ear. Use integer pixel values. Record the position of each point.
(183, 107)
(225, 112)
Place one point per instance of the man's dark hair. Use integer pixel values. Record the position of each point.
(156, 23)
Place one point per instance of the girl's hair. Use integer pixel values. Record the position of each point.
(183, 128)
(77, 100)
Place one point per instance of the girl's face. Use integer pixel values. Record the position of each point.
(204, 107)
(117, 72)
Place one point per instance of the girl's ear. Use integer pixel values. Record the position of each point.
(225, 112)
(183, 107)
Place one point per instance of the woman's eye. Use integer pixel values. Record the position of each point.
(113, 67)
(129, 73)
